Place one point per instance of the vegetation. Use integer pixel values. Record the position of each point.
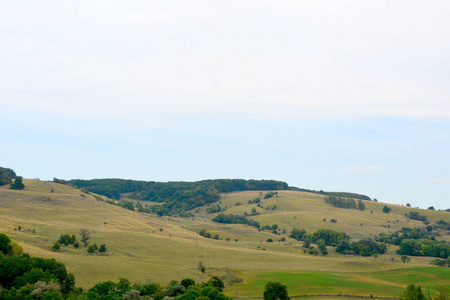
(17, 184)
(297, 234)
(363, 247)
(24, 270)
(214, 209)
(275, 291)
(413, 292)
(423, 247)
(5, 244)
(395, 238)
(342, 202)
(26, 277)
(413, 215)
(328, 236)
(337, 285)
(6, 175)
(338, 194)
(270, 195)
(176, 197)
(416, 242)
(43, 216)
(235, 219)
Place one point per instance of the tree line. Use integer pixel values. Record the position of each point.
(416, 242)
(6, 177)
(177, 197)
(340, 240)
(342, 202)
(235, 219)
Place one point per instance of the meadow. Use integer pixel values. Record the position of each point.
(147, 248)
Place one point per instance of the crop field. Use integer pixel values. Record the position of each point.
(148, 248)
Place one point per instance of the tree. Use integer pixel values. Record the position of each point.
(275, 290)
(412, 293)
(91, 249)
(85, 236)
(42, 288)
(405, 258)
(128, 205)
(18, 184)
(361, 205)
(56, 246)
(187, 282)
(102, 248)
(4, 179)
(5, 244)
(386, 209)
(6, 175)
(443, 294)
(217, 283)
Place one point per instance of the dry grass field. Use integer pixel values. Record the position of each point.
(147, 248)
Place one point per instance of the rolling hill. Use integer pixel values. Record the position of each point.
(146, 247)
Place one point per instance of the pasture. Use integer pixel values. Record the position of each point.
(148, 248)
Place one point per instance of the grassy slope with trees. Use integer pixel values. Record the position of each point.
(145, 247)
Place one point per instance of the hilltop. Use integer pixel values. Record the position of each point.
(146, 247)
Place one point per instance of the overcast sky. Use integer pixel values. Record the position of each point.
(334, 95)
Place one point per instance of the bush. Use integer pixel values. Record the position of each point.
(386, 209)
(275, 291)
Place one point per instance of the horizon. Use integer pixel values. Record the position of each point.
(324, 96)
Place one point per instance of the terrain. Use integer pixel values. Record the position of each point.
(149, 248)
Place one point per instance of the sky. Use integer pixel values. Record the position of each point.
(326, 95)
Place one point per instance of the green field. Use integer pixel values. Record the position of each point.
(147, 248)
(378, 284)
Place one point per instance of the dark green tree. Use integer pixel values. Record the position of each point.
(275, 290)
(5, 244)
(217, 283)
(102, 248)
(386, 209)
(33, 276)
(187, 282)
(91, 249)
(18, 184)
(128, 205)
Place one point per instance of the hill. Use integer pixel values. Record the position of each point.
(146, 247)
(177, 197)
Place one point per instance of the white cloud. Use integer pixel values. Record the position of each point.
(277, 59)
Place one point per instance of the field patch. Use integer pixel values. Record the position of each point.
(377, 284)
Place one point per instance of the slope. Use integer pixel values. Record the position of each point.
(144, 247)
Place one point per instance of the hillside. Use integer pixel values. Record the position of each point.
(145, 247)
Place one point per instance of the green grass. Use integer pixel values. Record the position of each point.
(146, 248)
(378, 284)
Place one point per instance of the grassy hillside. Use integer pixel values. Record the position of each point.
(147, 248)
